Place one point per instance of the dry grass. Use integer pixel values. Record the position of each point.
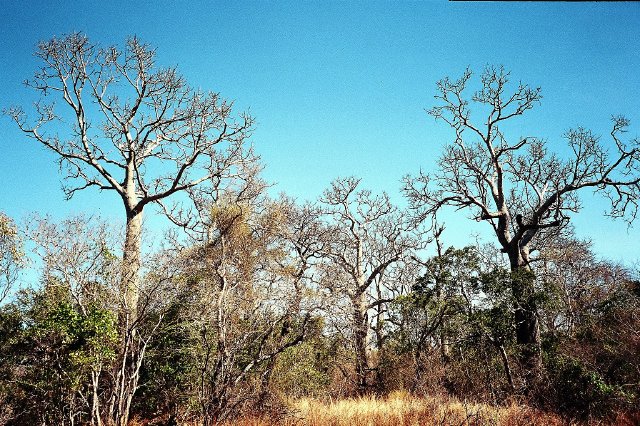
(402, 409)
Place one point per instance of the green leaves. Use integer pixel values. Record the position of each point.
(58, 346)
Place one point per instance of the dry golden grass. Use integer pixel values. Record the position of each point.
(402, 409)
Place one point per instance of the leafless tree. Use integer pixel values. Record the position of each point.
(305, 237)
(78, 251)
(371, 242)
(579, 280)
(131, 127)
(518, 186)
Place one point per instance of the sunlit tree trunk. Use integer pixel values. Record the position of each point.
(131, 264)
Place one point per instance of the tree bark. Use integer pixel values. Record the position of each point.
(526, 314)
(130, 359)
(360, 329)
(131, 264)
(96, 420)
(507, 367)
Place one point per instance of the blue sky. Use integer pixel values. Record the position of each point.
(340, 88)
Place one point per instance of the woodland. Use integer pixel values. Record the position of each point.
(260, 309)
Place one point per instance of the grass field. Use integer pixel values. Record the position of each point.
(401, 409)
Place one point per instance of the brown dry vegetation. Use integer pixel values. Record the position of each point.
(402, 409)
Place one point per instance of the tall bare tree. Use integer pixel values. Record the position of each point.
(516, 185)
(131, 127)
(369, 245)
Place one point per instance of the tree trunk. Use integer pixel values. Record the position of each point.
(130, 357)
(507, 367)
(526, 315)
(445, 348)
(96, 420)
(131, 264)
(360, 329)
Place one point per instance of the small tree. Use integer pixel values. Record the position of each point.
(247, 305)
(431, 315)
(517, 186)
(65, 343)
(61, 352)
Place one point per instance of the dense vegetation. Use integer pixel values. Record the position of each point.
(262, 306)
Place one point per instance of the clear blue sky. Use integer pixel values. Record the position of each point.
(340, 88)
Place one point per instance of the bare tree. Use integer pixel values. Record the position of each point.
(370, 243)
(520, 188)
(304, 237)
(132, 128)
(78, 252)
(579, 280)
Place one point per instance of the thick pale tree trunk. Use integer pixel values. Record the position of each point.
(130, 358)
(445, 349)
(131, 264)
